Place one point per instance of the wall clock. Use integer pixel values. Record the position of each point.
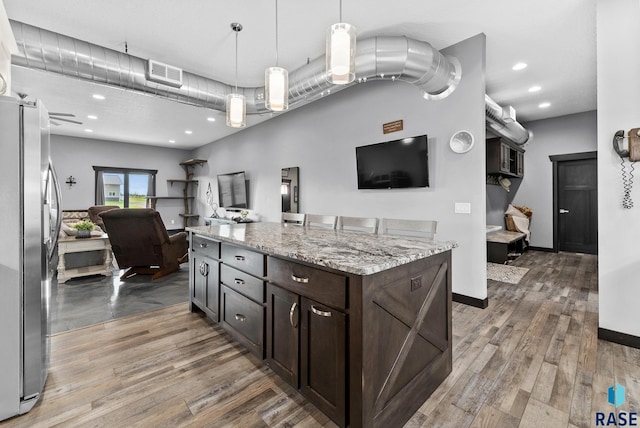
(461, 141)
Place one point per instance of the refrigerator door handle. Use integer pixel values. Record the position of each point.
(56, 188)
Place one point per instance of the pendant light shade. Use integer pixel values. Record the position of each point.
(236, 111)
(235, 103)
(276, 88)
(341, 52)
(276, 82)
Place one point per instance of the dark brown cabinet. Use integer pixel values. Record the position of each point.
(306, 339)
(504, 158)
(323, 358)
(242, 286)
(204, 286)
(283, 323)
(365, 349)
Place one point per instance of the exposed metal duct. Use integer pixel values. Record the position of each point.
(502, 121)
(393, 58)
(388, 58)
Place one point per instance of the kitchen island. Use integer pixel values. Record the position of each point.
(359, 323)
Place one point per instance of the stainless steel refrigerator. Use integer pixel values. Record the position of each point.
(30, 221)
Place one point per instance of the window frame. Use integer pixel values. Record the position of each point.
(125, 171)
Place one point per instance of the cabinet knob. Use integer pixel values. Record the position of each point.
(238, 281)
(239, 258)
(203, 245)
(241, 317)
(320, 312)
(300, 279)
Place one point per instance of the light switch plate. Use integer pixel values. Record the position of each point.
(463, 208)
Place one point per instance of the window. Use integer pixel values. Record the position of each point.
(124, 187)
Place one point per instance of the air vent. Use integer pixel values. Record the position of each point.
(163, 73)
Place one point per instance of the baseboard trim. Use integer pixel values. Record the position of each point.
(470, 301)
(619, 338)
(547, 250)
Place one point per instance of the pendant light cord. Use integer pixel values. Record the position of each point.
(340, 10)
(236, 62)
(276, 33)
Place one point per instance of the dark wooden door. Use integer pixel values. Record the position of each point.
(205, 291)
(283, 314)
(323, 358)
(577, 214)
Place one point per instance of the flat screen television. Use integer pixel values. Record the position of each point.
(394, 164)
(232, 190)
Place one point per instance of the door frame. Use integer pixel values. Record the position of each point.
(562, 158)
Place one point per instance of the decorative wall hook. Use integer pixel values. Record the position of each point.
(70, 181)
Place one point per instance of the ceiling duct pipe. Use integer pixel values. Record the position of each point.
(502, 121)
(388, 58)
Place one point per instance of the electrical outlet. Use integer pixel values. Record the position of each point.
(416, 283)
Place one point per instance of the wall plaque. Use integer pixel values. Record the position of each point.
(394, 126)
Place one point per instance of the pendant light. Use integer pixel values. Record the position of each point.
(236, 104)
(341, 52)
(276, 82)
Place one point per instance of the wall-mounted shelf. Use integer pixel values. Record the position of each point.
(186, 215)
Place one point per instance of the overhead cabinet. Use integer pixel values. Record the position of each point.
(504, 158)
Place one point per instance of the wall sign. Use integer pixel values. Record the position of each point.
(394, 126)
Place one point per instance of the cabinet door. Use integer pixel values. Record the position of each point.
(505, 156)
(283, 318)
(323, 358)
(205, 289)
(520, 164)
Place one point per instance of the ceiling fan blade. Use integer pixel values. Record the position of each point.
(61, 114)
(68, 120)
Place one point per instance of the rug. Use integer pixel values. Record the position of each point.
(505, 273)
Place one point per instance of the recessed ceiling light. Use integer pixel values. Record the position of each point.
(544, 105)
(211, 119)
(91, 116)
(188, 132)
(519, 66)
(535, 88)
(88, 130)
(98, 96)
(172, 141)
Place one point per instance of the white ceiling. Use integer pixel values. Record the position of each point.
(555, 38)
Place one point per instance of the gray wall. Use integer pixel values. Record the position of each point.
(77, 156)
(618, 38)
(321, 138)
(560, 135)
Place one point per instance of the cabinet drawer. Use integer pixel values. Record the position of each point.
(205, 246)
(243, 283)
(244, 259)
(244, 319)
(325, 287)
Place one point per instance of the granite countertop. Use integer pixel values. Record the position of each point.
(354, 252)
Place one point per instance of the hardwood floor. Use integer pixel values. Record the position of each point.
(531, 359)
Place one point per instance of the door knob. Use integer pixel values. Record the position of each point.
(563, 211)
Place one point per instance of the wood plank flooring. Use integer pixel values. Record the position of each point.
(532, 359)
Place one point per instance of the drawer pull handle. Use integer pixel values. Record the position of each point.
(238, 281)
(319, 312)
(203, 245)
(204, 268)
(241, 317)
(293, 321)
(239, 258)
(300, 279)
